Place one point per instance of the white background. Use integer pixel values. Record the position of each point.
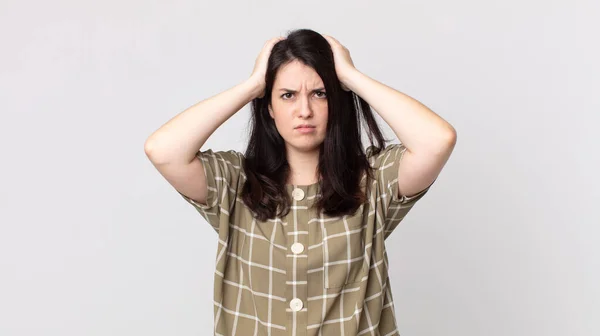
(93, 241)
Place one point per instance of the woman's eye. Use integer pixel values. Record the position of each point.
(320, 94)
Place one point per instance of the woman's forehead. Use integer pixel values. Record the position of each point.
(296, 75)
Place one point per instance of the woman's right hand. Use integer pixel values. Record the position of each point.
(260, 66)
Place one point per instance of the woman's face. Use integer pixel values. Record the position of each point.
(298, 97)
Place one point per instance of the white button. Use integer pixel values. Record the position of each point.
(296, 304)
(297, 248)
(298, 194)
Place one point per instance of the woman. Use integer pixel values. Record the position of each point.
(303, 214)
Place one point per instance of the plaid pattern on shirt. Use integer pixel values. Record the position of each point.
(304, 274)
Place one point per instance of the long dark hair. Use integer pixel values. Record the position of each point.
(342, 161)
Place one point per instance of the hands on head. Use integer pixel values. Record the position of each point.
(342, 60)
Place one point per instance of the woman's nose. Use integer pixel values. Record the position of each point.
(305, 108)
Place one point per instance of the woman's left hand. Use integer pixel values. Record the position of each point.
(341, 59)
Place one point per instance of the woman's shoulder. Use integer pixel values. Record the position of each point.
(230, 155)
(223, 163)
(376, 154)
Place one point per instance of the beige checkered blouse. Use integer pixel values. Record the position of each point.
(306, 273)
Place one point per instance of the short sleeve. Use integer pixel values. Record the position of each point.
(385, 167)
(223, 171)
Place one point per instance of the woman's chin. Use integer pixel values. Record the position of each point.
(306, 146)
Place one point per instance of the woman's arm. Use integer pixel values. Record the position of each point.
(173, 148)
(178, 140)
(429, 139)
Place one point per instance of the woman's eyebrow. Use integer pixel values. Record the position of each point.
(294, 91)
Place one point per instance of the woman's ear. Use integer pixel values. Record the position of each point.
(270, 111)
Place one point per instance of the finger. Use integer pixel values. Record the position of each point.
(331, 38)
(274, 40)
(333, 42)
